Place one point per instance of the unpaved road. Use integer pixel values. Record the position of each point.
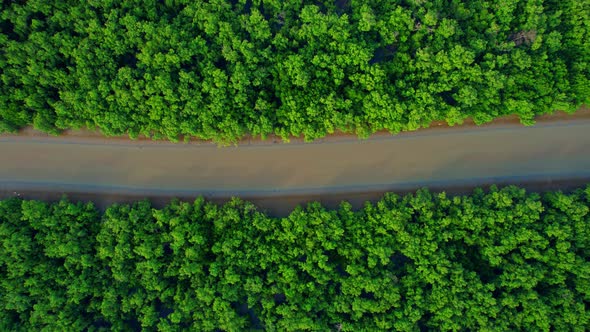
(504, 153)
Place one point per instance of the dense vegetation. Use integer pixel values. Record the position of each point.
(497, 261)
(221, 69)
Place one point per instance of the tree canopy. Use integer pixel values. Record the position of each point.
(498, 260)
(222, 69)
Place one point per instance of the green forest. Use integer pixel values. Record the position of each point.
(223, 69)
(496, 260)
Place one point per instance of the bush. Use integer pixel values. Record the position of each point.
(223, 69)
(501, 260)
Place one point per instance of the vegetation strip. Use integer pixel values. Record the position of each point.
(225, 69)
(498, 260)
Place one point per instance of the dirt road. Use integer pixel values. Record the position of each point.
(504, 153)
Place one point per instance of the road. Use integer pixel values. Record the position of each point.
(505, 153)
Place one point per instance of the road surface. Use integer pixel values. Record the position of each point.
(505, 153)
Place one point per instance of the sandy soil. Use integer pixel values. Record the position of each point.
(277, 177)
(281, 206)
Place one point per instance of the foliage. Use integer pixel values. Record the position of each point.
(498, 260)
(222, 69)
